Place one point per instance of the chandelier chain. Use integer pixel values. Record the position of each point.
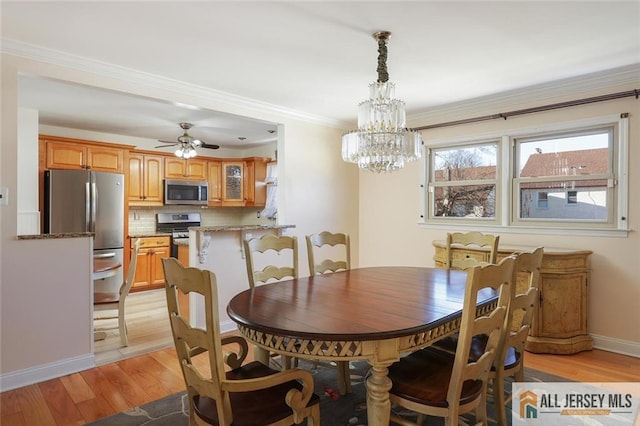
(383, 75)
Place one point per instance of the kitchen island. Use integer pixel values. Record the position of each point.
(220, 250)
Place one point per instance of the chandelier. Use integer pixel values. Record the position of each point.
(381, 143)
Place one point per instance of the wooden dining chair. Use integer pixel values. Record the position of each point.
(460, 259)
(246, 394)
(337, 245)
(259, 271)
(318, 242)
(509, 361)
(281, 245)
(103, 301)
(437, 383)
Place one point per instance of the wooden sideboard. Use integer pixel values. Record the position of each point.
(560, 320)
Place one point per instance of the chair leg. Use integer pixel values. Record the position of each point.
(498, 399)
(344, 377)
(123, 328)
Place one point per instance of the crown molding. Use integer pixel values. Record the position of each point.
(539, 94)
(63, 59)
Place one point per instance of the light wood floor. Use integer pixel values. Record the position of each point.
(124, 378)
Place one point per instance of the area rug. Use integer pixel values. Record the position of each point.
(335, 410)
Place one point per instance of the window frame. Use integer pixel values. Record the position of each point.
(505, 210)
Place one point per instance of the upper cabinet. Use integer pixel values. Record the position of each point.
(232, 183)
(191, 169)
(64, 153)
(255, 187)
(214, 177)
(146, 173)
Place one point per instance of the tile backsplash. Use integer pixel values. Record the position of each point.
(143, 219)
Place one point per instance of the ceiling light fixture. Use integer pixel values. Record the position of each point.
(381, 143)
(186, 150)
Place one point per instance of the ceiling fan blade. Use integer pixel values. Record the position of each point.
(164, 146)
(171, 142)
(210, 146)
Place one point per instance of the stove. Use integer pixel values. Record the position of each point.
(178, 225)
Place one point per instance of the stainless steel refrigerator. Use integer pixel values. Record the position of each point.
(86, 201)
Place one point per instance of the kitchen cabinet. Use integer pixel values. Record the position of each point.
(190, 169)
(255, 187)
(560, 320)
(232, 183)
(214, 177)
(72, 154)
(145, 182)
(149, 273)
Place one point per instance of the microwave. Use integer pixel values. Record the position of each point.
(186, 192)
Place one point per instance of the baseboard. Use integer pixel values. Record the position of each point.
(624, 347)
(40, 373)
(227, 326)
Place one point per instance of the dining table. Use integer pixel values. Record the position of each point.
(375, 314)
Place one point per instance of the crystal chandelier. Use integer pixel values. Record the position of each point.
(381, 143)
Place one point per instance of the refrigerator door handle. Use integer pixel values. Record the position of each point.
(87, 207)
(94, 205)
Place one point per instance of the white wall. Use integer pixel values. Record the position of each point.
(321, 193)
(390, 207)
(28, 210)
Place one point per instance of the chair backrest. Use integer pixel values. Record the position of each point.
(474, 239)
(524, 302)
(278, 244)
(499, 278)
(131, 273)
(317, 241)
(189, 341)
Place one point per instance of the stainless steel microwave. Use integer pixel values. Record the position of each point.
(186, 192)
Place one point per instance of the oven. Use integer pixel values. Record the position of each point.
(178, 225)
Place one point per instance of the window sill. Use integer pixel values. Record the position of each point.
(586, 232)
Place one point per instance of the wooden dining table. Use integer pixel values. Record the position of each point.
(374, 314)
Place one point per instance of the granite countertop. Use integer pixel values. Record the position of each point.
(53, 236)
(221, 228)
(149, 234)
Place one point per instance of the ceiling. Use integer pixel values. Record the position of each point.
(310, 58)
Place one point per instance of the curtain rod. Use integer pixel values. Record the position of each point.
(505, 115)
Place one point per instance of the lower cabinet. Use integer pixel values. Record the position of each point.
(149, 273)
(560, 320)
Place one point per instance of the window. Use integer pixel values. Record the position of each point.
(543, 200)
(569, 175)
(464, 181)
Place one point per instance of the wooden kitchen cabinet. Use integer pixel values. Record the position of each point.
(179, 168)
(145, 180)
(560, 320)
(214, 177)
(233, 183)
(149, 273)
(255, 186)
(73, 154)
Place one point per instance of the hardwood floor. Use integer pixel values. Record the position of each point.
(125, 378)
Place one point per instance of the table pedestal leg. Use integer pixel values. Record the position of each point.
(261, 355)
(378, 404)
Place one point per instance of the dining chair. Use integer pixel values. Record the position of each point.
(283, 246)
(509, 361)
(438, 383)
(240, 393)
(260, 251)
(326, 243)
(465, 239)
(103, 301)
(326, 240)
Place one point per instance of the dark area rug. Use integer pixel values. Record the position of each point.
(335, 410)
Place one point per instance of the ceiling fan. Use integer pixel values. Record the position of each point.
(187, 143)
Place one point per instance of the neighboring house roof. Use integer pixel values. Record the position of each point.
(567, 163)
